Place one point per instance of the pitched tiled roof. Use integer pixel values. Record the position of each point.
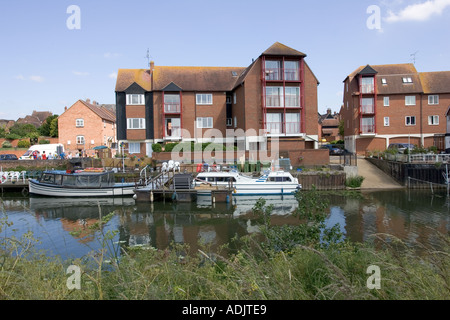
(126, 77)
(279, 49)
(435, 82)
(394, 74)
(102, 112)
(196, 78)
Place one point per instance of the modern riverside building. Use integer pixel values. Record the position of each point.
(273, 98)
(386, 104)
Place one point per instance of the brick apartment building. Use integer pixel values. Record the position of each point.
(276, 96)
(386, 104)
(86, 125)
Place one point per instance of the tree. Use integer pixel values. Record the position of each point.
(44, 129)
(54, 128)
(23, 130)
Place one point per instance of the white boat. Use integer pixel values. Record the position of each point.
(270, 183)
(81, 183)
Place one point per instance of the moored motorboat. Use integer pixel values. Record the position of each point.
(91, 182)
(270, 183)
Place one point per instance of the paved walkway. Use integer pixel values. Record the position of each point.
(375, 178)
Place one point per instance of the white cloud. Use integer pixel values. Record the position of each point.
(81, 74)
(113, 75)
(19, 77)
(419, 12)
(36, 78)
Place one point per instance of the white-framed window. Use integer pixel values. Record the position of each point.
(204, 98)
(386, 101)
(291, 72)
(135, 99)
(407, 80)
(410, 100)
(433, 120)
(234, 98)
(80, 140)
(386, 121)
(134, 147)
(135, 123)
(292, 123)
(229, 122)
(274, 122)
(79, 123)
(206, 122)
(433, 99)
(383, 81)
(410, 120)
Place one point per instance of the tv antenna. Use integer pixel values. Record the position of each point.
(413, 55)
(148, 57)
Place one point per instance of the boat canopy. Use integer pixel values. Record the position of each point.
(78, 180)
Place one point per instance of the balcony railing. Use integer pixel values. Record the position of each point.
(367, 129)
(172, 108)
(277, 128)
(276, 74)
(173, 133)
(275, 101)
(367, 88)
(368, 109)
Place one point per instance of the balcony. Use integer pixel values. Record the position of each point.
(368, 109)
(173, 133)
(277, 101)
(276, 74)
(276, 128)
(172, 108)
(368, 129)
(367, 89)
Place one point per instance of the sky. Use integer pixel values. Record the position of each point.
(54, 53)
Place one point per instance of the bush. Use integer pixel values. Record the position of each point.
(24, 144)
(169, 147)
(44, 141)
(13, 136)
(6, 144)
(354, 182)
(156, 147)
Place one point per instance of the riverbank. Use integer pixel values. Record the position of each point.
(289, 262)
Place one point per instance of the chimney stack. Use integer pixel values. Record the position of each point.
(88, 100)
(152, 65)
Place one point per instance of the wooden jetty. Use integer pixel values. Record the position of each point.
(176, 187)
(15, 186)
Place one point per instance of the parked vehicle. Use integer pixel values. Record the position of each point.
(333, 150)
(54, 149)
(401, 147)
(7, 157)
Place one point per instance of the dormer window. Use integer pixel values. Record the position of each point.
(383, 81)
(407, 80)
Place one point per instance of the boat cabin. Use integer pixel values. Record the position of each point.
(78, 180)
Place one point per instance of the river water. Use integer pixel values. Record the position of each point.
(62, 225)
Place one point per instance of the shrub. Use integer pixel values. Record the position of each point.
(169, 147)
(23, 144)
(13, 136)
(354, 182)
(6, 144)
(156, 147)
(44, 141)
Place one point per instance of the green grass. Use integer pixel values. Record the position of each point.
(282, 263)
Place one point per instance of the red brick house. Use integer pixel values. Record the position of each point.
(86, 125)
(274, 97)
(386, 104)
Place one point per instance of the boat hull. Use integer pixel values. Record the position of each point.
(58, 191)
(253, 190)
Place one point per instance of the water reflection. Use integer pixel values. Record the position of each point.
(62, 225)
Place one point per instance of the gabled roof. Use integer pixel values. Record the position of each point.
(126, 77)
(103, 112)
(435, 82)
(196, 78)
(368, 70)
(279, 49)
